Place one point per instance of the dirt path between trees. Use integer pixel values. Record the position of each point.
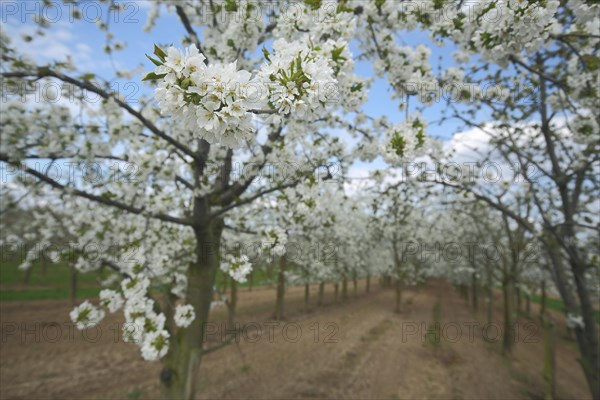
(357, 349)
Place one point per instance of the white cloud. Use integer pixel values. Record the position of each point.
(57, 44)
(468, 145)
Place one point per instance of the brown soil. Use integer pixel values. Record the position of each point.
(363, 350)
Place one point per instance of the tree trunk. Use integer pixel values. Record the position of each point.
(549, 359)
(465, 292)
(587, 337)
(232, 306)
(509, 334)
(269, 272)
(306, 296)
(490, 298)
(278, 314)
(73, 285)
(251, 280)
(27, 275)
(321, 294)
(368, 289)
(345, 289)
(543, 300)
(336, 290)
(182, 363)
(224, 283)
(398, 296)
(44, 266)
(354, 284)
(474, 290)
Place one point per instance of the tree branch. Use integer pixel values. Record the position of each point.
(44, 72)
(93, 197)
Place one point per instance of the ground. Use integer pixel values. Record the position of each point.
(356, 349)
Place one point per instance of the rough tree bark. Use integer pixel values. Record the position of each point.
(73, 285)
(336, 290)
(543, 300)
(549, 371)
(345, 289)
(474, 290)
(306, 296)
(278, 314)
(398, 295)
(509, 334)
(587, 336)
(182, 363)
(232, 306)
(490, 300)
(321, 294)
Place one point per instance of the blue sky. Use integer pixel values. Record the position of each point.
(84, 42)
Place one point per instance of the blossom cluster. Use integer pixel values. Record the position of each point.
(320, 18)
(300, 80)
(515, 27)
(574, 321)
(184, 315)
(275, 239)
(144, 326)
(217, 101)
(415, 72)
(404, 141)
(86, 315)
(237, 267)
(111, 299)
(211, 100)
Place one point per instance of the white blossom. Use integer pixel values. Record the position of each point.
(155, 345)
(111, 299)
(184, 315)
(86, 315)
(574, 321)
(237, 267)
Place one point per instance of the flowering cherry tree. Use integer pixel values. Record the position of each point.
(271, 91)
(276, 95)
(543, 58)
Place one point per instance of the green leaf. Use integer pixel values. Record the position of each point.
(231, 6)
(398, 144)
(153, 77)
(160, 53)
(87, 77)
(266, 54)
(336, 54)
(154, 61)
(186, 83)
(592, 62)
(356, 87)
(313, 4)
